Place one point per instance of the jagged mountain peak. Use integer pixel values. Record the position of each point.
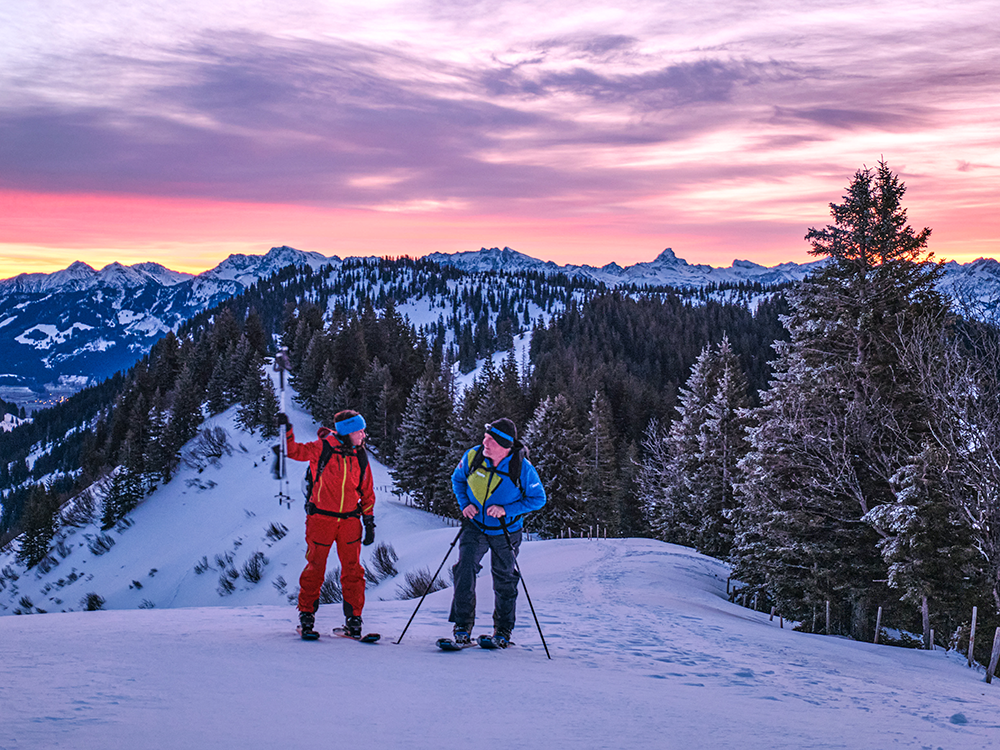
(669, 258)
(246, 269)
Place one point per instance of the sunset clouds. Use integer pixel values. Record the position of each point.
(573, 131)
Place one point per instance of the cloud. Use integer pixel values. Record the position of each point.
(486, 106)
(889, 117)
(249, 117)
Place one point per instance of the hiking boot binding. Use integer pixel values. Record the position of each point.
(307, 622)
(353, 627)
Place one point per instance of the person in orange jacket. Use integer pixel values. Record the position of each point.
(342, 498)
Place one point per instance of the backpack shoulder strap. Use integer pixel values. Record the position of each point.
(362, 455)
(324, 458)
(513, 472)
(514, 467)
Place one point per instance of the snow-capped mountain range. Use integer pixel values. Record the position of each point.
(79, 324)
(666, 270)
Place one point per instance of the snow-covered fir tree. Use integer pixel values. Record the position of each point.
(842, 415)
(426, 454)
(601, 501)
(690, 473)
(556, 451)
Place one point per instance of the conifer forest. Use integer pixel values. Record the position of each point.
(835, 441)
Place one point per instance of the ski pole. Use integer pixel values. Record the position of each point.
(428, 589)
(510, 543)
(280, 365)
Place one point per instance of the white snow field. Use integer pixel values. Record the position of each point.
(646, 650)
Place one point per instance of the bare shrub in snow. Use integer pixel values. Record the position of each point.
(101, 544)
(415, 583)
(227, 584)
(208, 448)
(330, 592)
(80, 511)
(384, 562)
(253, 568)
(92, 602)
(276, 531)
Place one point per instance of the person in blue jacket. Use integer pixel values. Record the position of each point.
(495, 487)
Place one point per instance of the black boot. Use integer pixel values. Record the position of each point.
(353, 626)
(307, 626)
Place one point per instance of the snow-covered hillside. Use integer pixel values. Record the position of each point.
(646, 649)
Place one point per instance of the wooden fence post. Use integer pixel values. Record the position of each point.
(878, 624)
(972, 636)
(925, 611)
(828, 617)
(772, 613)
(994, 657)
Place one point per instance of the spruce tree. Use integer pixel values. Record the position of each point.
(269, 408)
(601, 503)
(843, 412)
(425, 455)
(38, 522)
(672, 459)
(556, 451)
(248, 414)
(722, 444)
(928, 543)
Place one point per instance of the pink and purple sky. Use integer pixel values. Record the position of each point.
(577, 131)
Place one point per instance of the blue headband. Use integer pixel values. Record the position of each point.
(505, 440)
(349, 425)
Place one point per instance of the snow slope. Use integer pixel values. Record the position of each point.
(646, 649)
(646, 653)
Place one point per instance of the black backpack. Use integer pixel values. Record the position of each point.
(308, 482)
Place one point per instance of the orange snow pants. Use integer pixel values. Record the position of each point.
(322, 532)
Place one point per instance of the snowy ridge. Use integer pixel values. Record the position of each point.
(10, 421)
(79, 276)
(645, 646)
(666, 270)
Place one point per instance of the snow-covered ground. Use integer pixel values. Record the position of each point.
(646, 649)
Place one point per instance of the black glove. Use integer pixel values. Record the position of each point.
(282, 418)
(369, 522)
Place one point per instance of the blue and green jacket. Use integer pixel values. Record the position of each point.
(490, 485)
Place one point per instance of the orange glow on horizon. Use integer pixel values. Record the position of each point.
(47, 232)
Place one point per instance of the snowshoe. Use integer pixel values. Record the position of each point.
(353, 627)
(447, 644)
